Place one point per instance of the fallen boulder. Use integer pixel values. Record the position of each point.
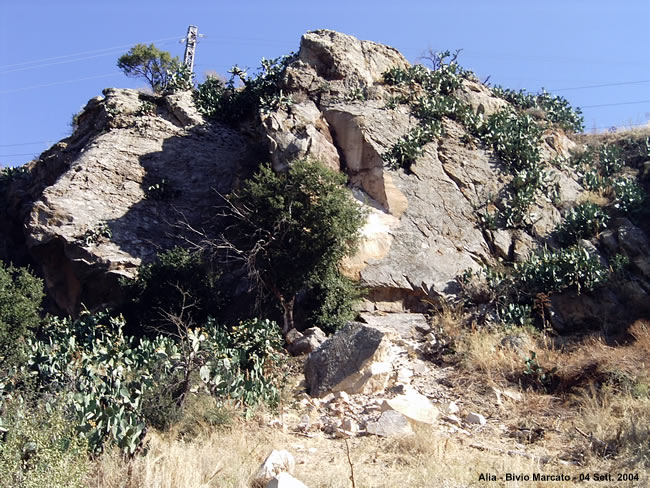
(352, 360)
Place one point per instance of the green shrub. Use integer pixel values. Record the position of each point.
(410, 147)
(161, 191)
(181, 79)
(537, 374)
(515, 138)
(21, 294)
(41, 448)
(292, 229)
(557, 109)
(177, 279)
(229, 104)
(438, 101)
(583, 221)
(333, 299)
(556, 271)
(628, 194)
(515, 314)
(111, 382)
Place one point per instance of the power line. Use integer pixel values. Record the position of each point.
(615, 104)
(67, 61)
(14, 155)
(26, 143)
(83, 53)
(58, 83)
(600, 86)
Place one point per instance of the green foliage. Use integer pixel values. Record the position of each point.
(628, 194)
(619, 265)
(515, 138)
(7, 175)
(96, 235)
(292, 229)
(21, 294)
(555, 271)
(445, 77)
(231, 104)
(515, 314)
(602, 170)
(106, 378)
(556, 109)
(583, 221)
(178, 278)
(147, 107)
(438, 86)
(150, 63)
(334, 297)
(409, 147)
(41, 447)
(539, 375)
(161, 191)
(181, 79)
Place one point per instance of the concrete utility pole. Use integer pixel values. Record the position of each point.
(190, 46)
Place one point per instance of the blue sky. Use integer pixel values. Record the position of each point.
(56, 55)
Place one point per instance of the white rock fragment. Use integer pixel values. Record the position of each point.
(350, 425)
(452, 408)
(277, 462)
(285, 480)
(475, 418)
(404, 375)
(390, 424)
(414, 406)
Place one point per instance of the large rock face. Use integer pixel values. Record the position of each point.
(113, 194)
(422, 230)
(103, 201)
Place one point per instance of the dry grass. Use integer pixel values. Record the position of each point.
(595, 417)
(229, 459)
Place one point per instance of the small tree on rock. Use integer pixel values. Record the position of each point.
(292, 229)
(150, 63)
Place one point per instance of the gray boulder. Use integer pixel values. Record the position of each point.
(345, 361)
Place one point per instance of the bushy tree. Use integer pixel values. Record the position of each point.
(178, 282)
(21, 294)
(292, 229)
(150, 63)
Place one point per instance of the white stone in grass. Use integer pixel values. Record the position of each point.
(475, 418)
(285, 480)
(276, 463)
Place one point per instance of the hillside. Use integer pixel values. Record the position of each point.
(504, 261)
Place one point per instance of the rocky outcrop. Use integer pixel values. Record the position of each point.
(108, 198)
(422, 230)
(103, 201)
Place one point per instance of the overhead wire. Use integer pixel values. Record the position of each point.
(83, 53)
(26, 143)
(65, 82)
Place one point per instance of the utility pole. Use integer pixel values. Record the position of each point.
(190, 46)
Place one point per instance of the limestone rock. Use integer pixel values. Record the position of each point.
(91, 222)
(405, 325)
(276, 463)
(414, 406)
(342, 58)
(181, 105)
(475, 418)
(307, 342)
(285, 480)
(391, 423)
(297, 132)
(345, 361)
(480, 98)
